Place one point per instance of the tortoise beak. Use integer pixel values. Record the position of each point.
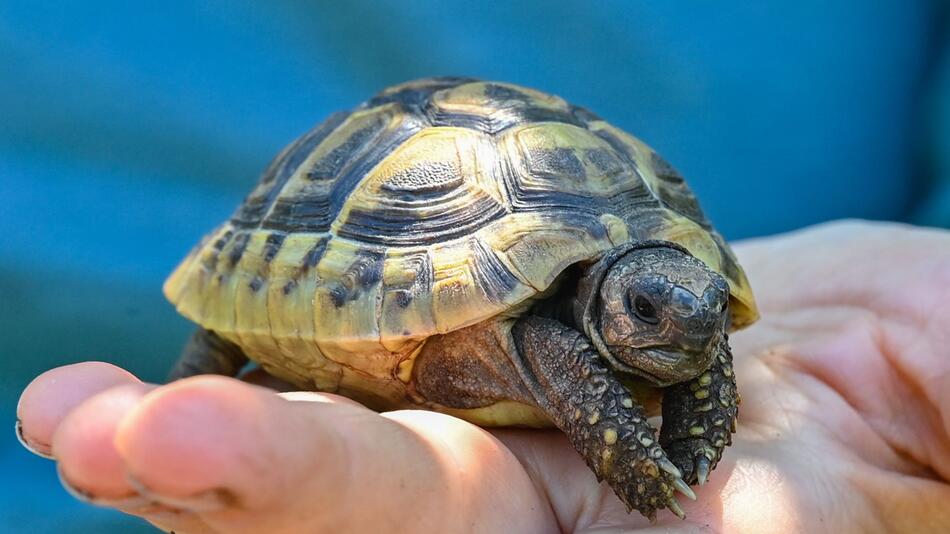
(672, 365)
(662, 365)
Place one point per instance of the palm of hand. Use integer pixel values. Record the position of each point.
(844, 426)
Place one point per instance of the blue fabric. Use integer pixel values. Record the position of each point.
(935, 138)
(126, 132)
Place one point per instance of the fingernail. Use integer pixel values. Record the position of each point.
(205, 501)
(27, 445)
(132, 502)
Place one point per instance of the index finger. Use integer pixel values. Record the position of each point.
(51, 396)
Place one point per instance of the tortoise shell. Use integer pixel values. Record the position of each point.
(435, 205)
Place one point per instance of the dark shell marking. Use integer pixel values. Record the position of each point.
(259, 202)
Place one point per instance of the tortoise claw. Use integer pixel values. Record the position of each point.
(668, 466)
(683, 488)
(675, 508)
(703, 466)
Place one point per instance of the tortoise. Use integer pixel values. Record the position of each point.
(491, 252)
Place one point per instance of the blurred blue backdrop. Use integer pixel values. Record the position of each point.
(127, 131)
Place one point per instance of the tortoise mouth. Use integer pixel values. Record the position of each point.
(668, 354)
(663, 365)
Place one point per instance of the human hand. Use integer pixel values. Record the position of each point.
(843, 428)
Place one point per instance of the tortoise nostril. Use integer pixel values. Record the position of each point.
(683, 303)
(717, 298)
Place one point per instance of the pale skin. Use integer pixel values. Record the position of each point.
(844, 426)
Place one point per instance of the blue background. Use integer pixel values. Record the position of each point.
(126, 132)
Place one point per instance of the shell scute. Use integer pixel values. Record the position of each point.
(568, 159)
(428, 190)
(492, 107)
(407, 297)
(537, 247)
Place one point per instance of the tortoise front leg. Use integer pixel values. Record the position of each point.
(207, 353)
(699, 417)
(572, 384)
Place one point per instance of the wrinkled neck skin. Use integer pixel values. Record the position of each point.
(653, 311)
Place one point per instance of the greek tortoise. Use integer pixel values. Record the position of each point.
(491, 252)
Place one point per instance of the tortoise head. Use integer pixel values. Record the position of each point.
(655, 311)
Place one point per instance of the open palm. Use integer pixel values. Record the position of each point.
(844, 426)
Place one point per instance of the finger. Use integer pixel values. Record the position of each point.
(577, 499)
(51, 396)
(315, 396)
(247, 460)
(89, 464)
(180, 523)
(286, 390)
(91, 469)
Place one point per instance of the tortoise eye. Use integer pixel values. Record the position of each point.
(644, 310)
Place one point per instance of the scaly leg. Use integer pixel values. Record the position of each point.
(572, 384)
(206, 353)
(699, 417)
